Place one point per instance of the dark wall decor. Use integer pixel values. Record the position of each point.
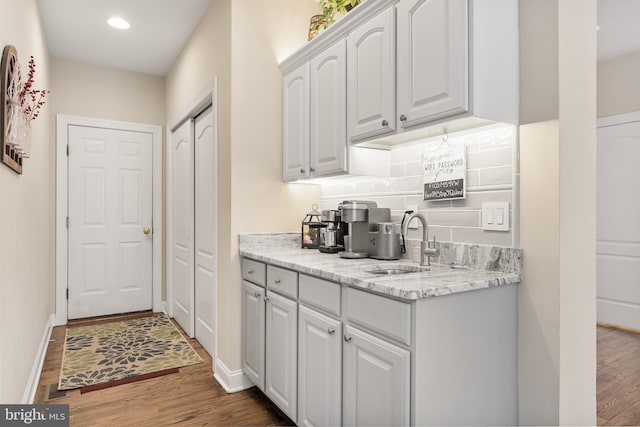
(10, 109)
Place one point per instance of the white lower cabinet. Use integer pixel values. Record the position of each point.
(281, 358)
(376, 381)
(253, 333)
(319, 369)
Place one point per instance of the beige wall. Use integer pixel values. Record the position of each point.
(106, 93)
(619, 85)
(260, 201)
(538, 60)
(557, 195)
(26, 214)
(240, 42)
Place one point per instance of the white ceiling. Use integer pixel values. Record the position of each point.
(77, 30)
(619, 22)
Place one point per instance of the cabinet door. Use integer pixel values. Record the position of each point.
(253, 330)
(433, 76)
(295, 126)
(328, 140)
(281, 373)
(371, 108)
(375, 380)
(320, 369)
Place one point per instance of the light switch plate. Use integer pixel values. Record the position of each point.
(495, 216)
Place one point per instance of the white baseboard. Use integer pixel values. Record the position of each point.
(165, 308)
(618, 313)
(231, 381)
(34, 377)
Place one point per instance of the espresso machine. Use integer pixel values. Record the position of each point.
(332, 236)
(362, 218)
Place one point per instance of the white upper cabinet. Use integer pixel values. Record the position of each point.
(295, 130)
(371, 72)
(432, 64)
(328, 144)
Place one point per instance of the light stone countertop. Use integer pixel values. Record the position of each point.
(283, 250)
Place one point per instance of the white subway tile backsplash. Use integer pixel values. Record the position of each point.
(398, 170)
(496, 176)
(490, 158)
(414, 168)
(474, 200)
(406, 154)
(490, 163)
(454, 218)
(477, 235)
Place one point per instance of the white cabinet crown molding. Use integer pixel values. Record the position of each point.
(337, 31)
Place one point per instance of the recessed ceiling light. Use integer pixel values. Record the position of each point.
(118, 23)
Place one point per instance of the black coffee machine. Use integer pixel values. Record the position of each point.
(332, 236)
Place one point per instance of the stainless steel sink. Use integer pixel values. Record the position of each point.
(389, 271)
(394, 269)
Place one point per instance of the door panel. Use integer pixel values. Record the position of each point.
(206, 212)
(281, 353)
(328, 140)
(295, 130)
(618, 227)
(375, 380)
(433, 76)
(110, 205)
(371, 86)
(320, 369)
(182, 182)
(253, 333)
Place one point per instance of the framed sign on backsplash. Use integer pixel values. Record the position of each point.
(445, 170)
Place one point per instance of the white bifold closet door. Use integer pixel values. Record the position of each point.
(205, 214)
(183, 227)
(194, 210)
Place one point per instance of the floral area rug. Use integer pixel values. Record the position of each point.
(116, 350)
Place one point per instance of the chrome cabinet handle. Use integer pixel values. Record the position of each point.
(331, 331)
(403, 118)
(266, 299)
(301, 170)
(249, 271)
(312, 169)
(258, 294)
(277, 281)
(385, 123)
(347, 338)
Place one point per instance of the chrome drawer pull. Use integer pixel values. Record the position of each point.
(331, 331)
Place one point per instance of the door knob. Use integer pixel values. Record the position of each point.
(146, 230)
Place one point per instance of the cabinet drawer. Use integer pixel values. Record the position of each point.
(320, 294)
(253, 271)
(284, 282)
(386, 316)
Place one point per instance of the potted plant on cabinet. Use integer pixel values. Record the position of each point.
(331, 10)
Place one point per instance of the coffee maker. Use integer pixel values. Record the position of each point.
(362, 217)
(332, 236)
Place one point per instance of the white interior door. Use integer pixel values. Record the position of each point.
(618, 225)
(110, 206)
(206, 211)
(182, 218)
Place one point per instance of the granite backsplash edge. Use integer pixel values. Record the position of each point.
(480, 257)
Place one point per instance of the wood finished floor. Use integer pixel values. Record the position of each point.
(191, 397)
(618, 377)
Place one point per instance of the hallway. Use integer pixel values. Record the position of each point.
(190, 397)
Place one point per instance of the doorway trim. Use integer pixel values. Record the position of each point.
(62, 200)
(206, 97)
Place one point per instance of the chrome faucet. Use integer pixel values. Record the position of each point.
(427, 250)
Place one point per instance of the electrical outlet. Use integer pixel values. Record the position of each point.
(495, 216)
